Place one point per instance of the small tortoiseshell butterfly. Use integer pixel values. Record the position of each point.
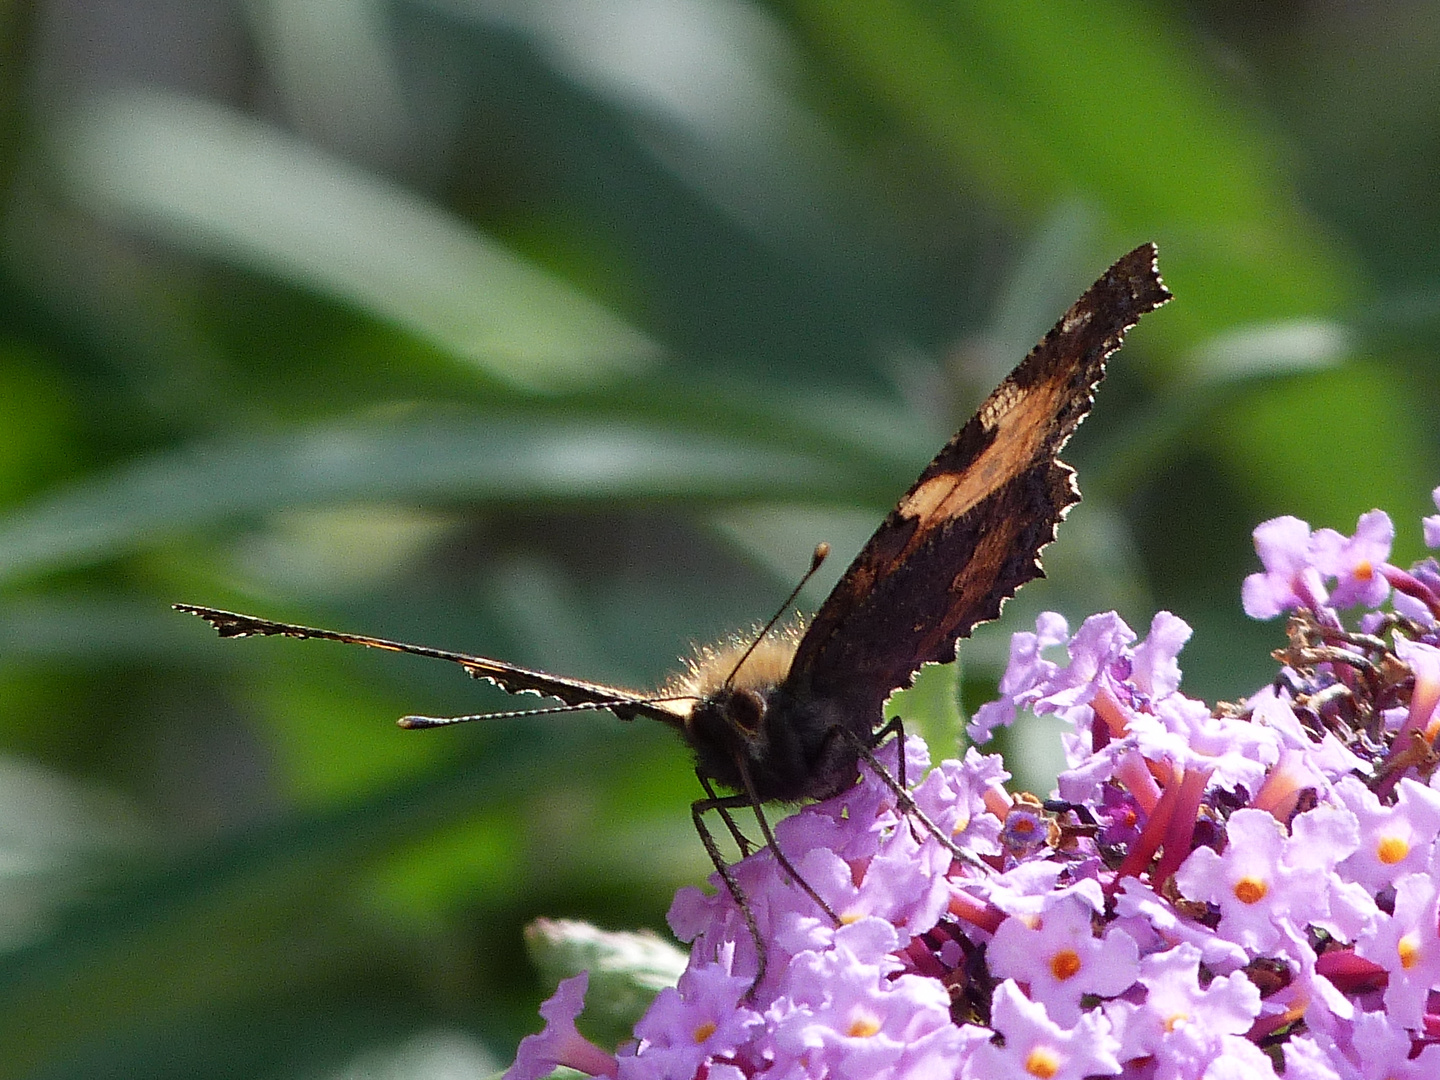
(791, 715)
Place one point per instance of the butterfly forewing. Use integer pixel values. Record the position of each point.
(626, 704)
(968, 534)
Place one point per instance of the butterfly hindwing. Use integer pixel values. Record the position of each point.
(968, 534)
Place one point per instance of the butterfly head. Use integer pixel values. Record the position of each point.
(733, 718)
(730, 688)
(732, 732)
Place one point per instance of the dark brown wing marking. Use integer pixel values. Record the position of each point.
(625, 704)
(968, 534)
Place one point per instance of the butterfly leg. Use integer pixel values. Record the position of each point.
(753, 800)
(734, 802)
(912, 811)
(866, 752)
(741, 840)
(724, 804)
(897, 726)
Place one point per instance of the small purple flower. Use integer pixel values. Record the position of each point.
(1254, 883)
(953, 797)
(1237, 1058)
(1432, 523)
(1102, 642)
(1329, 759)
(903, 884)
(1156, 924)
(1027, 670)
(1026, 831)
(1320, 839)
(1179, 1024)
(1184, 731)
(1028, 888)
(1289, 580)
(686, 1026)
(1380, 1050)
(839, 1016)
(1356, 561)
(1424, 662)
(1061, 960)
(1308, 993)
(1405, 605)
(1155, 668)
(1036, 1046)
(1395, 840)
(1119, 817)
(1406, 945)
(1306, 1060)
(560, 1043)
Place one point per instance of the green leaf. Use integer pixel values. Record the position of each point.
(626, 970)
(224, 185)
(199, 486)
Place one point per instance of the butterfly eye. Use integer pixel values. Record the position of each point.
(745, 709)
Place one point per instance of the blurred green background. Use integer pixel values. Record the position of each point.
(561, 331)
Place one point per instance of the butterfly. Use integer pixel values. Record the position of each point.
(791, 714)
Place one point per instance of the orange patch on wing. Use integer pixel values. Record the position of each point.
(1020, 422)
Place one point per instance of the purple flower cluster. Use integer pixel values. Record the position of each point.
(1214, 893)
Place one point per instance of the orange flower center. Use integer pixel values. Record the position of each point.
(863, 1025)
(1250, 890)
(1409, 949)
(1064, 964)
(1391, 850)
(1042, 1063)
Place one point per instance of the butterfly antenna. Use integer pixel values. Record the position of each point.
(822, 552)
(419, 722)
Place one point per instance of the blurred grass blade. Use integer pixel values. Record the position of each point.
(1043, 101)
(519, 459)
(57, 835)
(242, 909)
(1281, 348)
(226, 186)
